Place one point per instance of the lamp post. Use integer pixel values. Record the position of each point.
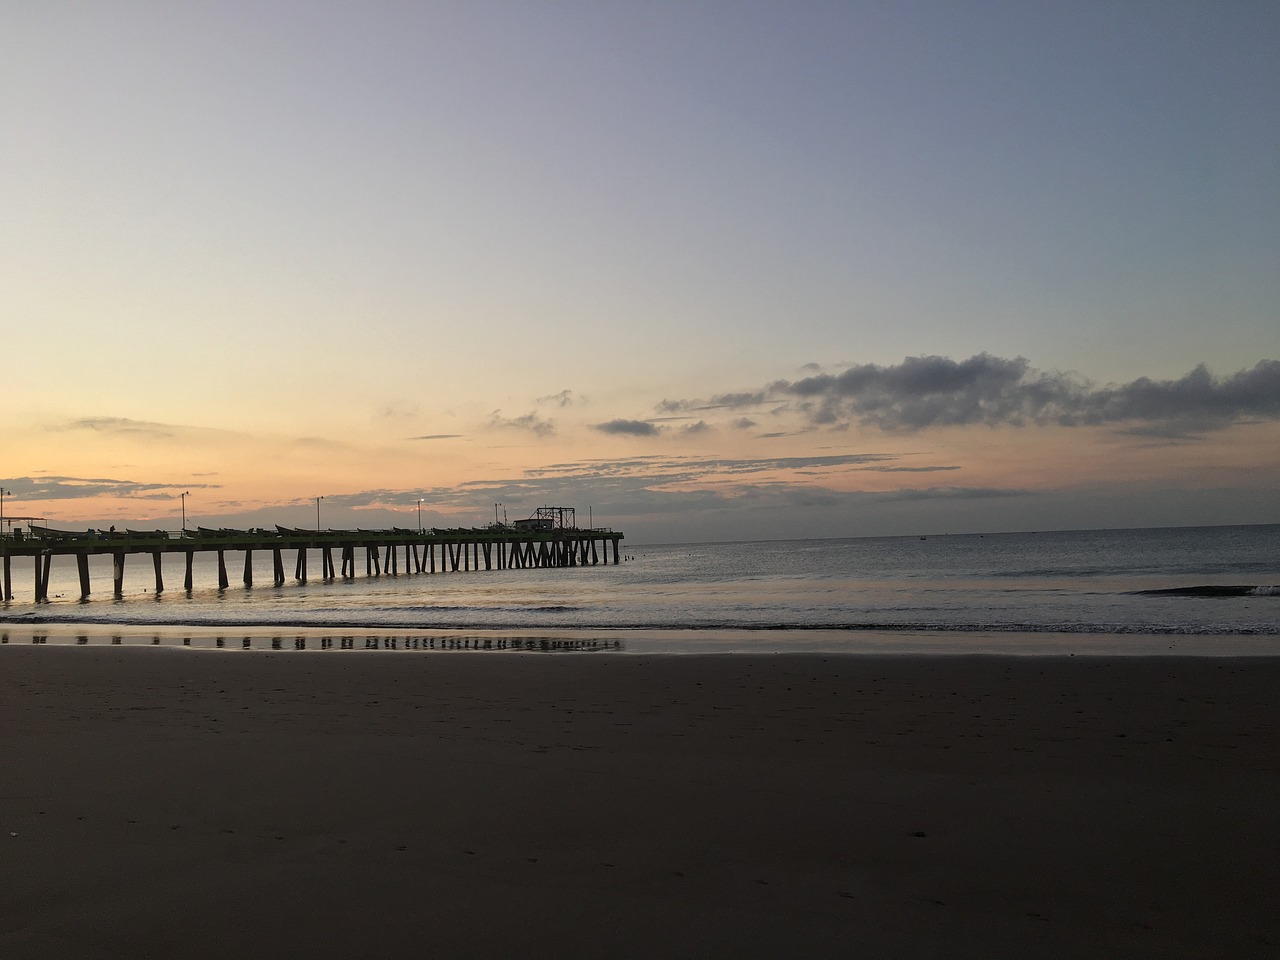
(318, 499)
(419, 514)
(183, 497)
(3, 493)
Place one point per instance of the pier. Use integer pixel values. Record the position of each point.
(519, 546)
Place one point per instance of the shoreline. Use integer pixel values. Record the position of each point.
(637, 806)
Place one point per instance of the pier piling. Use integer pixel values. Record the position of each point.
(117, 573)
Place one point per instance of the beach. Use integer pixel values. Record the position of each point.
(200, 803)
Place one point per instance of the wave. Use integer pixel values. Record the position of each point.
(1212, 590)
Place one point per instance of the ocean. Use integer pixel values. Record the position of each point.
(1201, 590)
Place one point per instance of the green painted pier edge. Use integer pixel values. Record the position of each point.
(489, 548)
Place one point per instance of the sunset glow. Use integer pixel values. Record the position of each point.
(714, 271)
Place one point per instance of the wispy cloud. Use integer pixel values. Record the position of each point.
(81, 488)
(122, 425)
(936, 469)
(530, 423)
(953, 493)
(565, 398)
(683, 469)
(436, 436)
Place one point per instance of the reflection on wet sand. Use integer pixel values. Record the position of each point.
(389, 641)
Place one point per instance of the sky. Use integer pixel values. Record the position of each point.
(701, 270)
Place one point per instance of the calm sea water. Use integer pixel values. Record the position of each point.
(1040, 592)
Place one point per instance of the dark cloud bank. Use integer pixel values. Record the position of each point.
(926, 392)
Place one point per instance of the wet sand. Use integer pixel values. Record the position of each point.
(169, 802)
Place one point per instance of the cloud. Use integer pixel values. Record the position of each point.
(122, 425)
(1198, 400)
(660, 469)
(81, 488)
(932, 391)
(643, 484)
(723, 401)
(530, 422)
(954, 493)
(632, 428)
(936, 469)
(564, 398)
(436, 436)
(928, 392)
(695, 428)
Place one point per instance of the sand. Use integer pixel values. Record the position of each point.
(177, 803)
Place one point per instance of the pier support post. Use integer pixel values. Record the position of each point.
(615, 551)
(155, 562)
(431, 557)
(223, 582)
(186, 582)
(248, 568)
(300, 568)
(82, 564)
(8, 581)
(117, 573)
(277, 567)
(326, 563)
(42, 576)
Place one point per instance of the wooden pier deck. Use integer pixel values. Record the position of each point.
(422, 551)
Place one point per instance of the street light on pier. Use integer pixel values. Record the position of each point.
(420, 514)
(183, 497)
(318, 499)
(3, 493)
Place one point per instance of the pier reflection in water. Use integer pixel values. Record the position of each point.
(293, 641)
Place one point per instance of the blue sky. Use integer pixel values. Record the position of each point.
(326, 231)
